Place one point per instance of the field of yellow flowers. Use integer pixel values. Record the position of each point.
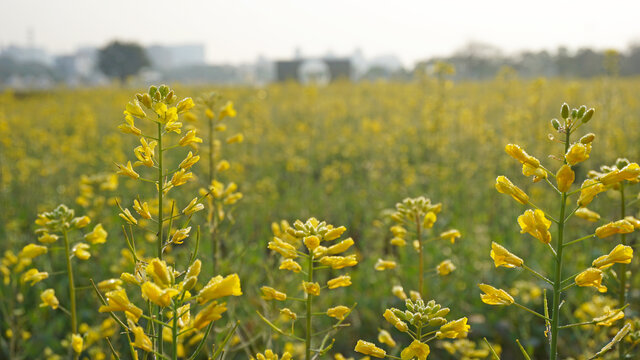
(336, 222)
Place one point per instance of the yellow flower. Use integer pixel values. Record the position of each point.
(109, 285)
(339, 312)
(591, 277)
(189, 138)
(587, 214)
(311, 242)
(134, 108)
(185, 105)
(382, 265)
(311, 288)
(450, 235)
(193, 207)
(127, 171)
(429, 220)
(117, 300)
(97, 236)
(398, 241)
(218, 287)
(385, 338)
(621, 254)
(589, 189)
(446, 267)
(502, 257)
(81, 221)
(47, 238)
(505, 186)
(415, 350)
(456, 329)
(142, 209)
(635, 222)
(629, 172)
(609, 317)
(129, 127)
(49, 298)
(519, 154)
(285, 249)
(76, 343)
(565, 178)
(227, 110)
(181, 177)
(34, 276)
(237, 138)
(493, 296)
(141, 341)
(32, 250)
(288, 314)
(156, 295)
(339, 262)
(395, 321)
(578, 152)
(290, 265)
(126, 215)
(398, 292)
(536, 224)
(612, 228)
(159, 271)
(367, 348)
(80, 250)
(189, 161)
(269, 293)
(333, 233)
(210, 313)
(180, 235)
(340, 247)
(340, 281)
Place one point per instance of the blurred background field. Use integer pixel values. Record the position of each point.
(345, 153)
(337, 110)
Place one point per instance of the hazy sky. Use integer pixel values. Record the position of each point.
(239, 30)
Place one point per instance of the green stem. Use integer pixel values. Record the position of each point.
(622, 296)
(174, 332)
(555, 315)
(160, 192)
(157, 313)
(420, 260)
(213, 225)
(308, 319)
(72, 289)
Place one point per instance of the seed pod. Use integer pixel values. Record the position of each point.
(588, 115)
(564, 111)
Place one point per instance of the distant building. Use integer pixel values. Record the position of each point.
(174, 56)
(313, 70)
(27, 54)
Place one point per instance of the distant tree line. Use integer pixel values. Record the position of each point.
(479, 61)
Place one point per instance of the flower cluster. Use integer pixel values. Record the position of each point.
(318, 244)
(414, 217)
(423, 323)
(537, 222)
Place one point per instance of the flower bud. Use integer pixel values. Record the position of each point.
(581, 111)
(588, 115)
(564, 111)
(555, 123)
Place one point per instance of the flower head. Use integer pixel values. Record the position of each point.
(493, 296)
(591, 277)
(502, 257)
(621, 254)
(415, 350)
(505, 186)
(370, 349)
